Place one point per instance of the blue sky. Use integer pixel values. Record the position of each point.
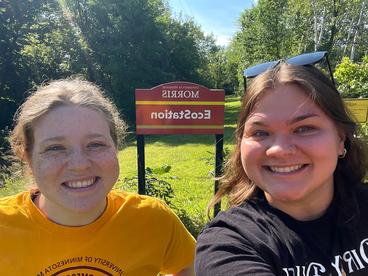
(219, 17)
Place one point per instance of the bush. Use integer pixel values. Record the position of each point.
(4, 148)
(10, 184)
(364, 131)
(352, 78)
(11, 177)
(154, 186)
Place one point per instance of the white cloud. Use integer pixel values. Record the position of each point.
(223, 40)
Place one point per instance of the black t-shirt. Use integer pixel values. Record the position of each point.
(256, 239)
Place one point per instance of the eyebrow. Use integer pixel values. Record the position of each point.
(56, 138)
(302, 117)
(96, 136)
(289, 122)
(60, 138)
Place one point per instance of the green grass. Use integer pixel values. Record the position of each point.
(190, 174)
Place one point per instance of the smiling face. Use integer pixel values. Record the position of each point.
(289, 149)
(74, 164)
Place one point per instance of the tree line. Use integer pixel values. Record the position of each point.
(275, 29)
(128, 44)
(121, 45)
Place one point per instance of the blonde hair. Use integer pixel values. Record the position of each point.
(236, 185)
(64, 92)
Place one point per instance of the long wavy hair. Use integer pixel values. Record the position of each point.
(350, 171)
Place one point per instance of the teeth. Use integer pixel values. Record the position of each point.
(285, 169)
(80, 184)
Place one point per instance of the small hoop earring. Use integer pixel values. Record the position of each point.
(342, 155)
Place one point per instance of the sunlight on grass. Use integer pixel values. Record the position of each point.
(190, 175)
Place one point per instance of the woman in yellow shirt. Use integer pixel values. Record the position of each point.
(73, 223)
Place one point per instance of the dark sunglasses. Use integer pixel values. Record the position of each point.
(301, 60)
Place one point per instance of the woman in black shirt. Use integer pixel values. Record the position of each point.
(294, 184)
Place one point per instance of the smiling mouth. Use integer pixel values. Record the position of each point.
(80, 184)
(286, 169)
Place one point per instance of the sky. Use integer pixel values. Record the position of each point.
(219, 17)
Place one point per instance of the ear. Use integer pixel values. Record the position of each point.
(341, 143)
(27, 158)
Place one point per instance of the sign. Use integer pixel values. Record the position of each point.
(179, 108)
(358, 108)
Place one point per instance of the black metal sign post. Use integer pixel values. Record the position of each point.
(219, 158)
(141, 165)
(218, 167)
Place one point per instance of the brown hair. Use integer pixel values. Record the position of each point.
(73, 91)
(350, 171)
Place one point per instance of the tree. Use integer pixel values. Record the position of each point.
(37, 44)
(121, 45)
(261, 37)
(353, 78)
(16, 19)
(137, 44)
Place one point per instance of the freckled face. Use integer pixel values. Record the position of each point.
(290, 148)
(74, 162)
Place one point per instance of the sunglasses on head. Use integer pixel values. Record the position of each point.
(301, 60)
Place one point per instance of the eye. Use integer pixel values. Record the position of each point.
(256, 134)
(96, 145)
(305, 130)
(54, 148)
(260, 133)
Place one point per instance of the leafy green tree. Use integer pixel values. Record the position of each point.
(222, 71)
(137, 44)
(38, 44)
(261, 37)
(16, 19)
(52, 48)
(353, 78)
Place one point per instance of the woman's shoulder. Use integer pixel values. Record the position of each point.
(16, 200)
(251, 218)
(138, 204)
(14, 205)
(249, 212)
(250, 229)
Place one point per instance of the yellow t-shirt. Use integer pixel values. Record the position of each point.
(136, 235)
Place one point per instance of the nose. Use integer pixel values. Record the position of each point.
(78, 160)
(281, 146)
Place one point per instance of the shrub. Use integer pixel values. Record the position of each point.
(352, 78)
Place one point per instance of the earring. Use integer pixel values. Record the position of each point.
(342, 155)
